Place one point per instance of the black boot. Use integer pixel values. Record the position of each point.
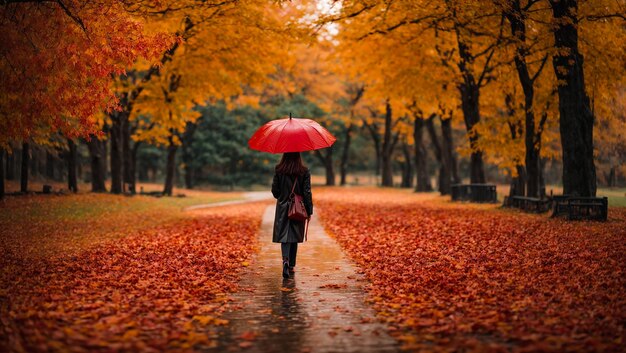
(285, 267)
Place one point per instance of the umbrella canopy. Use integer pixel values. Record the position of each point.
(291, 135)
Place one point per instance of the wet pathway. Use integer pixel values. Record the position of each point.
(320, 309)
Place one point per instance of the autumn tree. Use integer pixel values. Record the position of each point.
(477, 39)
(398, 62)
(355, 93)
(223, 47)
(576, 113)
(58, 59)
(518, 113)
(576, 117)
(517, 15)
(311, 75)
(57, 62)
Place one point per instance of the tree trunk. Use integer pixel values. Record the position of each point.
(187, 140)
(133, 165)
(24, 173)
(518, 183)
(343, 165)
(32, 162)
(407, 167)
(72, 183)
(105, 156)
(330, 174)
(389, 143)
(518, 29)
(59, 165)
(170, 168)
(187, 161)
(358, 91)
(447, 148)
(470, 104)
(576, 118)
(446, 156)
(79, 168)
(116, 152)
(49, 165)
(130, 178)
(17, 152)
(533, 170)
(327, 162)
(2, 153)
(188, 176)
(97, 154)
(516, 128)
(612, 179)
(373, 130)
(542, 181)
(41, 163)
(444, 179)
(10, 165)
(421, 162)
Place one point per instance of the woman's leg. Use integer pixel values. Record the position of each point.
(285, 250)
(293, 251)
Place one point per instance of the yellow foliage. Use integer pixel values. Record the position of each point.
(224, 48)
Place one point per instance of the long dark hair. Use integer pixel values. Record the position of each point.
(291, 164)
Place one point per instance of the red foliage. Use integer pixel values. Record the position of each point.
(58, 63)
(150, 291)
(476, 278)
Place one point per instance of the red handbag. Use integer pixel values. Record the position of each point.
(297, 211)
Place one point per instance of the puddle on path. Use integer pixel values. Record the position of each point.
(320, 309)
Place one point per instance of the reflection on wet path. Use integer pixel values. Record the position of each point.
(320, 309)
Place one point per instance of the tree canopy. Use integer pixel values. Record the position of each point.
(512, 84)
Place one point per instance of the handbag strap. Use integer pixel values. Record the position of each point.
(295, 181)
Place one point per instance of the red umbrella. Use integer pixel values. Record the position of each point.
(291, 135)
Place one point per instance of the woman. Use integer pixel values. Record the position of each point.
(289, 232)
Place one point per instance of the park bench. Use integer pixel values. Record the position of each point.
(592, 208)
(559, 205)
(474, 192)
(530, 204)
(575, 208)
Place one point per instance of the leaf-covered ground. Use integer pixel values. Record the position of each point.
(50, 225)
(157, 286)
(451, 277)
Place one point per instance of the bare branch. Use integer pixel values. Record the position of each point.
(398, 25)
(604, 16)
(493, 50)
(72, 16)
(543, 63)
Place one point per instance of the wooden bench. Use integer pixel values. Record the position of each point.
(474, 192)
(559, 205)
(592, 208)
(530, 204)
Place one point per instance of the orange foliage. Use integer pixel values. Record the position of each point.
(58, 61)
(454, 278)
(156, 289)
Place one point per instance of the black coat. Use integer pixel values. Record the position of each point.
(285, 229)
